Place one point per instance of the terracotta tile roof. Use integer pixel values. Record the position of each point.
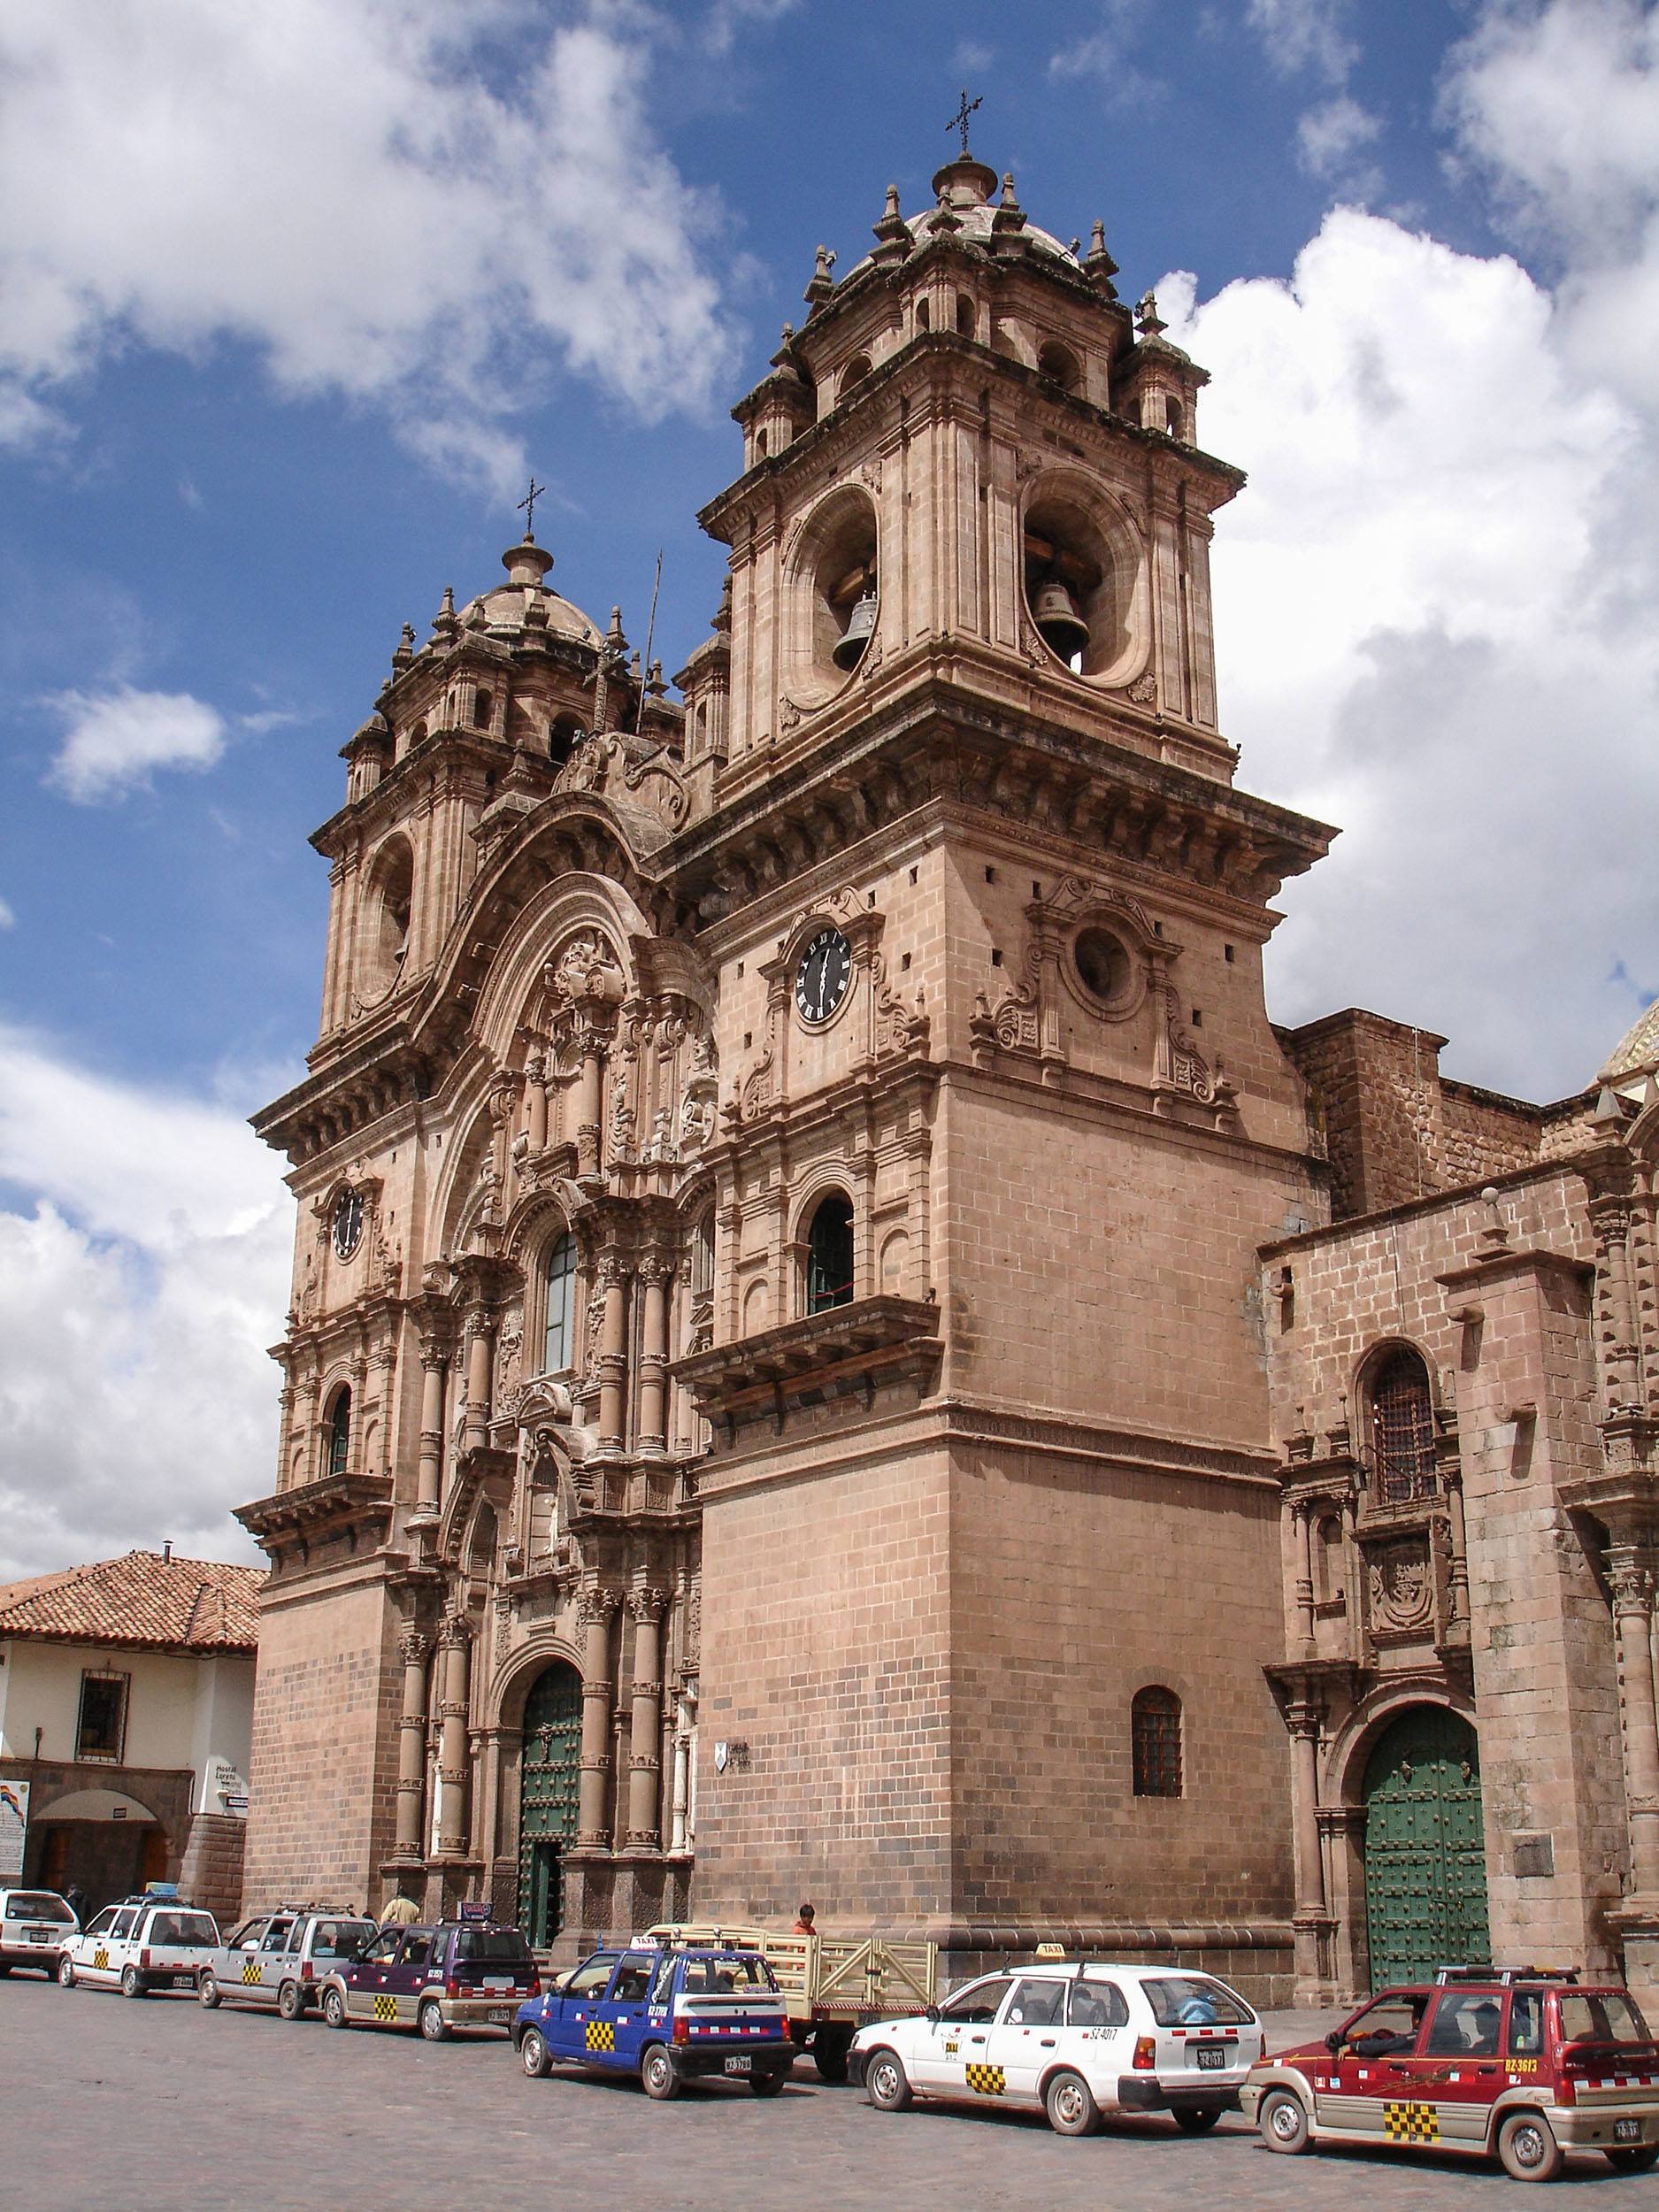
(140, 1599)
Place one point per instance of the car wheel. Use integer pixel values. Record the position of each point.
(1283, 2122)
(766, 2084)
(207, 1990)
(1635, 2159)
(1527, 2148)
(290, 2001)
(434, 2027)
(830, 2046)
(887, 2084)
(534, 2056)
(65, 1973)
(4, 1970)
(1070, 2104)
(658, 2075)
(333, 2008)
(1197, 2119)
(132, 1981)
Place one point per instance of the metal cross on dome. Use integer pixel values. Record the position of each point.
(959, 120)
(526, 506)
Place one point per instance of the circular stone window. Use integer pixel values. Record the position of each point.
(1103, 966)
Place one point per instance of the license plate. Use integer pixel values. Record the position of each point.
(184, 1981)
(737, 2065)
(499, 2015)
(37, 1935)
(1627, 2130)
(1211, 2054)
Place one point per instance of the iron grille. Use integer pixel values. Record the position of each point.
(1402, 1430)
(1155, 1739)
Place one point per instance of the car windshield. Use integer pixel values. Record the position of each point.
(1600, 2015)
(36, 1904)
(340, 1939)
(726, 1976)
(491, 1946)
(182, 1927)
(1192, 2000)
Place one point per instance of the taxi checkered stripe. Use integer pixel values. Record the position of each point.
(250, 1971)
(986, 2079)
(100, 1961)
(601, 2036)
(1411, 2123)
(386, 2008)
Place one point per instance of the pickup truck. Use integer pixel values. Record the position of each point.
(832, 1985)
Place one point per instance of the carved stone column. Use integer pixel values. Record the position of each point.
(1302, 1517)
(535, 1084)
(681, 1831)
(412, 1745)
(1304, 1751)
(589, 1104)
(1629, 1573)
(644, 1753)
(1458, 1539)
(599, 1607)
(1609, 1218)
(478, 1336)
(429, 1477)
(452, 1741)
(613, 1356)
(656, 1275)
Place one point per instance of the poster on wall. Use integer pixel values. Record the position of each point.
(14, 1827)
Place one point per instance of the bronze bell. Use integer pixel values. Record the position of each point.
(1061, 626)
(848, 648)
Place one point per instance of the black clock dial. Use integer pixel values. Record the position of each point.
(348, 1223)
(822, 975)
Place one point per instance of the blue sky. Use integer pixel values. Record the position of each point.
(290, 303)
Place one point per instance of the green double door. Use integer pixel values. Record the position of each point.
(549, 1777)
(1425, 1864)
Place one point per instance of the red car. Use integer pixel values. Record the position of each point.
(1524, 2065)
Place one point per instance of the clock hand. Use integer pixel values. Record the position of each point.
(822, 985)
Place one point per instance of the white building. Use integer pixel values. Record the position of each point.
(126, 1706)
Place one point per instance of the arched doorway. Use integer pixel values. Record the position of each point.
(1425, 1865)
(549, 1775)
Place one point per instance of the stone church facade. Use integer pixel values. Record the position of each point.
(832, 1339)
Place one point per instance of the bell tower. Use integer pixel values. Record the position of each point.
(990, 1493)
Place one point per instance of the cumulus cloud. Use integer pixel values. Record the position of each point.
(1106, 51)
(1305, 35)
(114, 740)
(139, 1288)
(1432, 629)
(1311, 38)
(1329, 137)
(414, 204)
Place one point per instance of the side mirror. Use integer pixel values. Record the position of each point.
(933, 2013)
(1333, 2041)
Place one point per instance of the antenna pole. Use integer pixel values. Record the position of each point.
(650, 631)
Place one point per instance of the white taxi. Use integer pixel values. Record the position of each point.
(144, 1943)
(1080, 2042)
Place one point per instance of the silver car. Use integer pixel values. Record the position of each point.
(35, 1925)
(278, 1959)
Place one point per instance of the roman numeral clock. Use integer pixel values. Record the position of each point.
(822, 974)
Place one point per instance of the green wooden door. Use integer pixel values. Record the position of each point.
(549, 1778)
(1425, 1866)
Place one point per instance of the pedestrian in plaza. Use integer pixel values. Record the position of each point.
(803, 1922)
(76, 1898)
(400, 1910)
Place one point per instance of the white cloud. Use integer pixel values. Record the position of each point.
(8, 918)
(115, 738)
(1328, 137)
(138, 1287)
(1305, 34)
(730, 19)
(1432, 623)
(418, 203)
(1106, 52)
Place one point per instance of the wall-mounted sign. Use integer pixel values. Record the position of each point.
(14, 1828)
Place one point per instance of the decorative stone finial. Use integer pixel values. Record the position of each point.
(823, 283)
(1147, 321)
(443, 623)
(1009, 199)
(890, 212)
(1494, 1233)
(403, 653)
(1098, 265)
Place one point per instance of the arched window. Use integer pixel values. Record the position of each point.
(966, 317)
(560, 1282)
(1154, 1731)
(339, 1430)
(1403, 1428)
(924, 314)
(483, 709)
(561, 736)
(855, 372)
(829, 1255)
(1174, 421)
(391, 897)
(1058, 364)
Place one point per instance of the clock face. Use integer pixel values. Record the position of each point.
(822, 975)
(348, 1223)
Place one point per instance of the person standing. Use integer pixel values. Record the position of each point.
(399, 1911)
(805, 1922)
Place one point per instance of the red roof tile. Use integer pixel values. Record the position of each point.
(140, 1599)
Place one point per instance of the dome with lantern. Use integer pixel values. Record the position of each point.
(524, 601)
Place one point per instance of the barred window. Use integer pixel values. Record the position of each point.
(1155, 1726)
(1403, 1428)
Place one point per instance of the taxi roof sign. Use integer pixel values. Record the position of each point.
(471, 1909)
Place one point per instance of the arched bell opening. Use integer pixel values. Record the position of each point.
(1059, 365)
(836, 600)
(1071, 590)
(829, 1254)
(390, 901)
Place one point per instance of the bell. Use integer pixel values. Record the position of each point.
(1061, 626)
(848, 648)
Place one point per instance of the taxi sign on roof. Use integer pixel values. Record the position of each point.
(471, 1909)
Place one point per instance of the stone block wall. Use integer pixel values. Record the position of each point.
(211, 1872)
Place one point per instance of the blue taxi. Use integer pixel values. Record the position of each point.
(669, 2014)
